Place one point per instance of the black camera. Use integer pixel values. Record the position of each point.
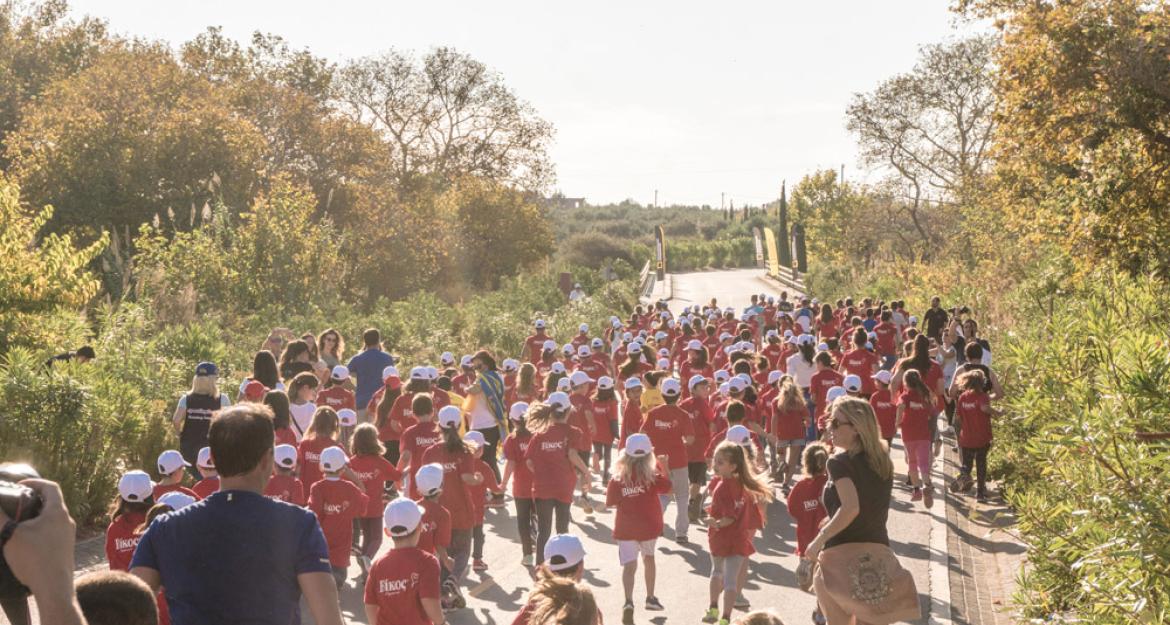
(19, 503)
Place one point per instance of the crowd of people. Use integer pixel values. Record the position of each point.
(721, 412)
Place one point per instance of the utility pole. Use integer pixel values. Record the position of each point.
(722, 204)
(656, 198)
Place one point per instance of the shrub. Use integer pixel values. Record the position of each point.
(593, 249)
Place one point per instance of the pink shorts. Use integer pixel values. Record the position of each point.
(919, 457)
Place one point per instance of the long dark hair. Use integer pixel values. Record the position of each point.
(632, 364)
(550, 383)
(386, 403)
(264, 369)
(808, 352)
(453, 441)
(277, 400)
(604, 394)
(914, 382)
(701, 361)
(120, 506)
(826, 313)
(919, 359)
(292, 351)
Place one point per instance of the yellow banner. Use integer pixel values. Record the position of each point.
(773, 259)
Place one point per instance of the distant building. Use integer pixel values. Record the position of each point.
(560, 201)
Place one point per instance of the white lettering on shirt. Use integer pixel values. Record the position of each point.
(126, 544)
(552, 445)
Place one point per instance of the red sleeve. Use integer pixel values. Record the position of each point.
(299, 493)
(389, 472)
(662, 484)
(110, 557)
(315, 503)
(687, 428)
(797, 493)
(443, 531)
(533, 445)
(489, 477)
(612, 493)
(428, 586)
(721, 504)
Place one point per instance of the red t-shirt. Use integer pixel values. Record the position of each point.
(337, 503)
(399, 415)
(666, 426)
(595, 366)
(604, 413)
(514, 448)
(631, 420)
(821, 382)
(337, 397)
(416, 440)
(789, 425)
(162, 489)
(435, 524)
(887, 338)
(397, 584)
(553, 476)
(702, 416)
(309, 458)
(885, 411)
(774, 352)
(454, 497)
(974, 412)
(638, 511)
(728, 500)
(478, 491)
(374, 471)
(862, 363)
(688, 371)
(285, 436)
(916, 416)
(286, 488)
(581, 417)
(205, 487)
(535, 346)
(806, 508)
(460, 383)
(829, 329)
(122, 539)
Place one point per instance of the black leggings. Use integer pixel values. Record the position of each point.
(978, 457)
(491, 438)
(392, 451)
(525, 518)
(544, 520)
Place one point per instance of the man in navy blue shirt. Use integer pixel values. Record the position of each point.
(368, 366)
(238, 556)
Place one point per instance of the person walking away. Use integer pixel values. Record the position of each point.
(634, 493)
(804, 503)
(337, 502)
(669, 428)
(368, 365)
(973, 410)
(514, 449)
(193, 414)
(374, 471)
(403, 584)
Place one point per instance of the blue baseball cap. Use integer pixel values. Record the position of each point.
(206, 368)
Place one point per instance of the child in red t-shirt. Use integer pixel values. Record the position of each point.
(374, 471)
(804, 502)
(478, 494)
(126, 514)
(283, 485)
(337, 502)
(206, 467)
(338, 397)
(403, 585)
(171, 469)
(632, 413)
(915, 411)
(321, 435)
(974, 412)
(605, 425)
(634, 493)
(789, 425)
(884, 408)
(435, 535)
(514, 448)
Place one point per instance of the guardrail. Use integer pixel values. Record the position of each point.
(789, 278)
(646, 281)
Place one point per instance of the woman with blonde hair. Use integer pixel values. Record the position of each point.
(192, 418)
(789, 424)
(331, 348)
(854, 541)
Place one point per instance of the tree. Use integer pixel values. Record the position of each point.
(130, 137)
(1083, 146)
(448, 116)
(501, 230)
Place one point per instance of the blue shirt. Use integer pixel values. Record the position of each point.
(869, 324)
(233, 558)
(368, 366)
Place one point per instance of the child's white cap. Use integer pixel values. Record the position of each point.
(401, 517)
(725, 389)
(774, 375)
(834, 393)
(822, 347)
(518, 410)
(539, 324)
(583, 351)
(695, 380)
(465, 361)
(563, 551)
(135, 486)
(333, 459)
(419, 373)
(568, 349)
(557, 368)
(671, 387)
(634, 348)
(722, 376)
(664, 364)
(446, 358)
(475, 437)
(869, 345)
(583, 328)
(725, 336)
(176, 499)
(432, 373)
(549, 345)
(638, 445)
(559, 400)
(579, 378)
(627, 336)
(772, 334)
(605, 383)
(913, 319)
(564, 385)
(788, 334)
(347, 417)
(695, 345)
(388, 371)
(597, 343)
(632, 382)
(659, 335)
(852, 383)
(339, 373)
(883, 376)
(615, 323)
(449, 416)
(170, 461)
(663, 353)
(739, 435)
(285, 456)
(511, 364)
(203, 460)
(429, 479)
(737, 385)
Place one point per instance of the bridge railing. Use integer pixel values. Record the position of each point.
(788, 277)
(646, 281)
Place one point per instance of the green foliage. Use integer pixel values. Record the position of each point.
(592, 249)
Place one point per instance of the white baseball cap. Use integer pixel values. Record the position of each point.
(568, 349)
(722, 376)
(511, 364)
(557, 367)
(340, 373)
(135, 486)
(663, 353)
(465, 360)
(627, 336)
(549, 345)
(695, 345)
(518, 410)
(737, 385)
(771, 334)
(597, 343)
(583, 328)
(476, 437)
(834, 393)
(564, 384)
(429, 479)
(347, 417)
(659, 335)
(913, 319)
(580, 377)
(449, 416)
(447, 358)
(285, 456)
(774, 375)
(671, 387)
(632, 382)
(170, 461)
(663, 364)
(563, 551)
(739, 435)
(539, 324)
(605, 382)
(638, 445)
(432, 373)
(203, 460)
(583, 351)
(852, 383)
(616, 323)
(788, 334)
(401, 517)
(389, 371)
(695, 380)
(333, 459)
(634, 348)
(883, 376)
(419, 373)
(725, 389)
(559, 400)
(725, 336)
(822, 347)
(176, 499)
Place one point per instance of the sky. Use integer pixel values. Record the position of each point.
(697, 100)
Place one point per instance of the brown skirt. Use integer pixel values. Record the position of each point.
(867, 581)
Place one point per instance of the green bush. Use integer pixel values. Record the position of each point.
(593, 249)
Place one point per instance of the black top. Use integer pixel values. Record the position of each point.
(935, 320)
(290, 370)
(964, 368)
(873, 497)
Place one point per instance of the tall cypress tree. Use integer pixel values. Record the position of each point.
(785, 244)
